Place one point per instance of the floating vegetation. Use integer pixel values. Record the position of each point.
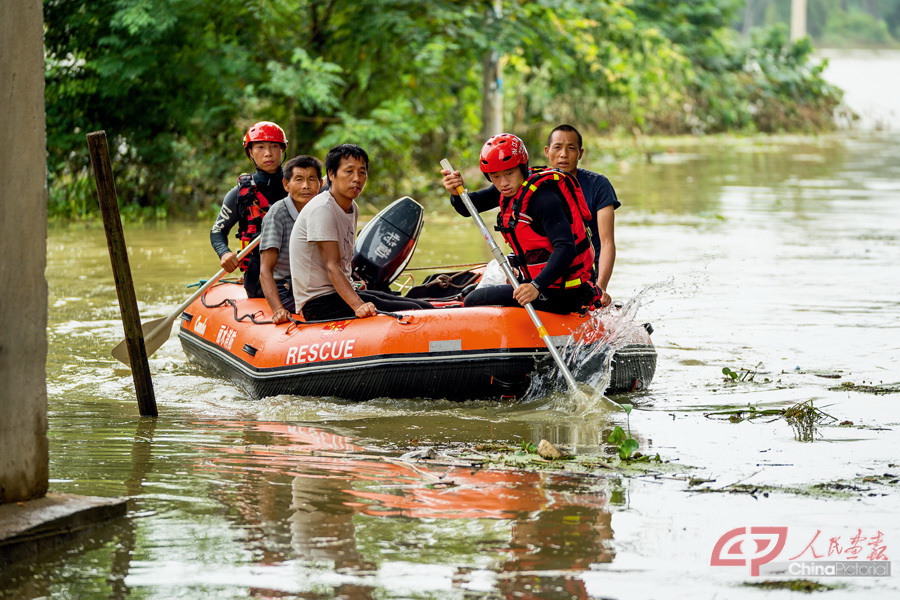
(737, 415)
(624, 444)
(545, 457)
(861, 486)
(884, 388)
(838, 486)
(754, 491)
(803, 417)
(825, 374)
(884, 479)
(794, 585)
(741, 374)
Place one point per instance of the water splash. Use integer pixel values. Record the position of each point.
(589, 353)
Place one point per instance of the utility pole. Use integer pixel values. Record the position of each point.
(492, 80)
(798, 19)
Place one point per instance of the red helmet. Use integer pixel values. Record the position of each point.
(264, 131)
(501, 152)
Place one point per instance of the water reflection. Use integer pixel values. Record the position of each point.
(355, 512)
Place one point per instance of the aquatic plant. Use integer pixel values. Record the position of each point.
(803, 417)
(624, 443)
(805, 586)
(527, 447)
(742, 374)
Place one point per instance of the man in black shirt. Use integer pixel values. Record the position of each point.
(564, 150)
(543, 217)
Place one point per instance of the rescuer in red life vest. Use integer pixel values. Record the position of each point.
(247, 202)
(543, 217)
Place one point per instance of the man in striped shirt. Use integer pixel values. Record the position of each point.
(302, 180)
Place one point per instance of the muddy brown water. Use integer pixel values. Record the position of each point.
(776, 258)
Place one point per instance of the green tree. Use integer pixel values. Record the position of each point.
(408, 84)
(141, 70)
(855, 28)
(766, 83)
(176, 82)
(603, 66)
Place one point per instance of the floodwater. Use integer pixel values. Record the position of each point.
(775, 258)
(870, 85)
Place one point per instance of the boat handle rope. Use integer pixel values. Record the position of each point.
(397, 316)
(444, 267)
(251, 316)
(294, 322)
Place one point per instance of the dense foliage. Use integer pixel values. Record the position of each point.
(176, 82)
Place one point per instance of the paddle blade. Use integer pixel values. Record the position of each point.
(156, 332)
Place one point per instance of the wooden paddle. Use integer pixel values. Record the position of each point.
(498, 254)
(157, 331)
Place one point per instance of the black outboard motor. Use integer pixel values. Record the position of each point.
(385, 245)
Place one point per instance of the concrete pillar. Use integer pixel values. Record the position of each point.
(23, 241)
(492, 95)
(798, 19)
(492, 82)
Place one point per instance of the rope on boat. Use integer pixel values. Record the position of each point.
(221, 281)
(442, 280)
(446, 281)
(441, 268)
(233, 304)
(295, 323)
(397, 316)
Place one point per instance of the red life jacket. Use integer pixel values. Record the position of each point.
(252, 206)
(532, 249)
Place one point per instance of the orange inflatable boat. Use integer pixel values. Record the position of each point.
(454, 352)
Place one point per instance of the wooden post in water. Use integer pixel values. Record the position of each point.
(118, 255)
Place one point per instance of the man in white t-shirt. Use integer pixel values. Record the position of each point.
(321, 248)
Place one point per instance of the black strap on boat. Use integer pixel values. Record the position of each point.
(446, 280)
(397, 316)
(295, 323)
(251, 316)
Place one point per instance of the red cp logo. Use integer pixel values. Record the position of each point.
(753, 545)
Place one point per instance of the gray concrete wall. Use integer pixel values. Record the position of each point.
(23, 253)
